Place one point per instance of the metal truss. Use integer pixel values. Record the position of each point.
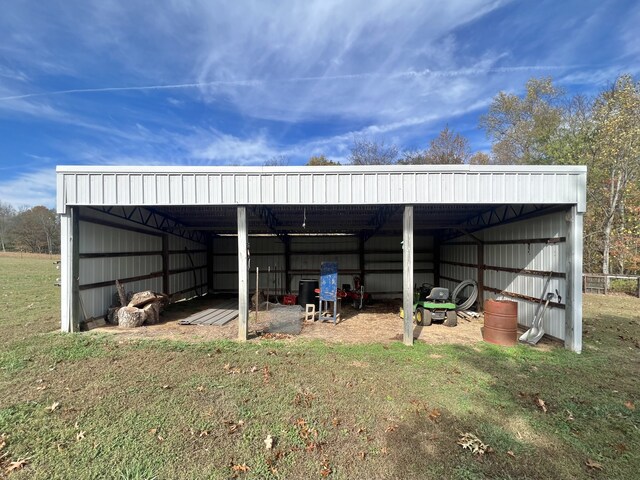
(496, 215)
(377, 221)
(270, 220)
(149, 217)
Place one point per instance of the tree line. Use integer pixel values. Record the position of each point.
(546, 126)
(34, 230)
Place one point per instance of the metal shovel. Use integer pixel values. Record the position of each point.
(536, 332)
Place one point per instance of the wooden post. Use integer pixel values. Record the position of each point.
(573, 309)
(606, 284)
(243, 274)
(165, 264)
(361, 260)
(287, 264)
(436, 261)
(407, 271)
(210, 255)
(480, 254)
(638, 292)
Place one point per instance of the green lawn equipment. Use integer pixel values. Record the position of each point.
(433, 303)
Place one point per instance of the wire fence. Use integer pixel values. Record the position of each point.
(606, 284)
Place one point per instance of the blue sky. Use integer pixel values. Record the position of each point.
(239, 82)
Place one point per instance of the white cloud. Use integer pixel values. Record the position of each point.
(37, 187)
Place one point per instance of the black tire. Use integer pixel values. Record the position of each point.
(423, 317)
(452, 319)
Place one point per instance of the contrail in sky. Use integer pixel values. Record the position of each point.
(256, 82)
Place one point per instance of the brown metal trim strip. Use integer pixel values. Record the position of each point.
(108, 283)
(522, 297)
(119, 254)
(524, 241)
(524, 271)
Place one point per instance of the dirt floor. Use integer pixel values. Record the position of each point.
(376, 323)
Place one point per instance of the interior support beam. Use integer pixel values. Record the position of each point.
(480, 258)
(407, 276)
(361, 262)
(287, 264)
(165, 264)
(573, 310)
(436, 260)
(243, 274)
(70, 270)
(210, 257)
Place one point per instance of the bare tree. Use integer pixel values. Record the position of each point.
(36, 230)
(448, 147)
(7, 213)
(366, 151)
(277, 161)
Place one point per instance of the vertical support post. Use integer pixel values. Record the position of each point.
(638, 292)
(210, 264)
(165, 264)
(573, 310)
(287, 264)
(361, 259)
(480, 255)
(407, 274)
(243, 275)
(436, 260)
(70, 271)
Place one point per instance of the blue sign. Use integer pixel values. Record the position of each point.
(328, 281)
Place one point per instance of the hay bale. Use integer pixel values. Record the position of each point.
(131, 317)
(152, 313)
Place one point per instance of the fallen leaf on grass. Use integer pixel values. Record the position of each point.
(233, 426)
(541, 404)
(470, 442)
(630, 405)
(153, 431)
(621, 447)
(511, 454)
(390, 428)
(54, 406)
(593, 464)
(240, 468)
(362, 455)
(165, 387)
(336, 422)
(204, 433)
(266, 374)
(200, 388)
(434, 415)
(570, 417)
(254, 369)
(268, 442)
(80, 435)
(41, 387)
(17, 465)
(3, 441)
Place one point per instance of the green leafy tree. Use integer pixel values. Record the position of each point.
(7, 214)
(522, 128)
(320, 161)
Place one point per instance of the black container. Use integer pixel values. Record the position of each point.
(306, 293)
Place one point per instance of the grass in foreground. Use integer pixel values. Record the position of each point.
(159, 409)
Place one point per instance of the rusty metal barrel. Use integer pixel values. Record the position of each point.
(500, 322)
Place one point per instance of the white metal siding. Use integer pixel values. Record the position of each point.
(462, 184)
(96, 238)
(534, 256)
(307, 253)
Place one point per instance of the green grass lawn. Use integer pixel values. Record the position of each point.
(161, 409)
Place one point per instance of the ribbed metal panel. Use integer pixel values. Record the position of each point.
(96, 238)
(533, 256)
(461, 184)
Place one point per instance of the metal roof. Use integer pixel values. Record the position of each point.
(168, 186)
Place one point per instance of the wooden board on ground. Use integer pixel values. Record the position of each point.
(218, 315)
